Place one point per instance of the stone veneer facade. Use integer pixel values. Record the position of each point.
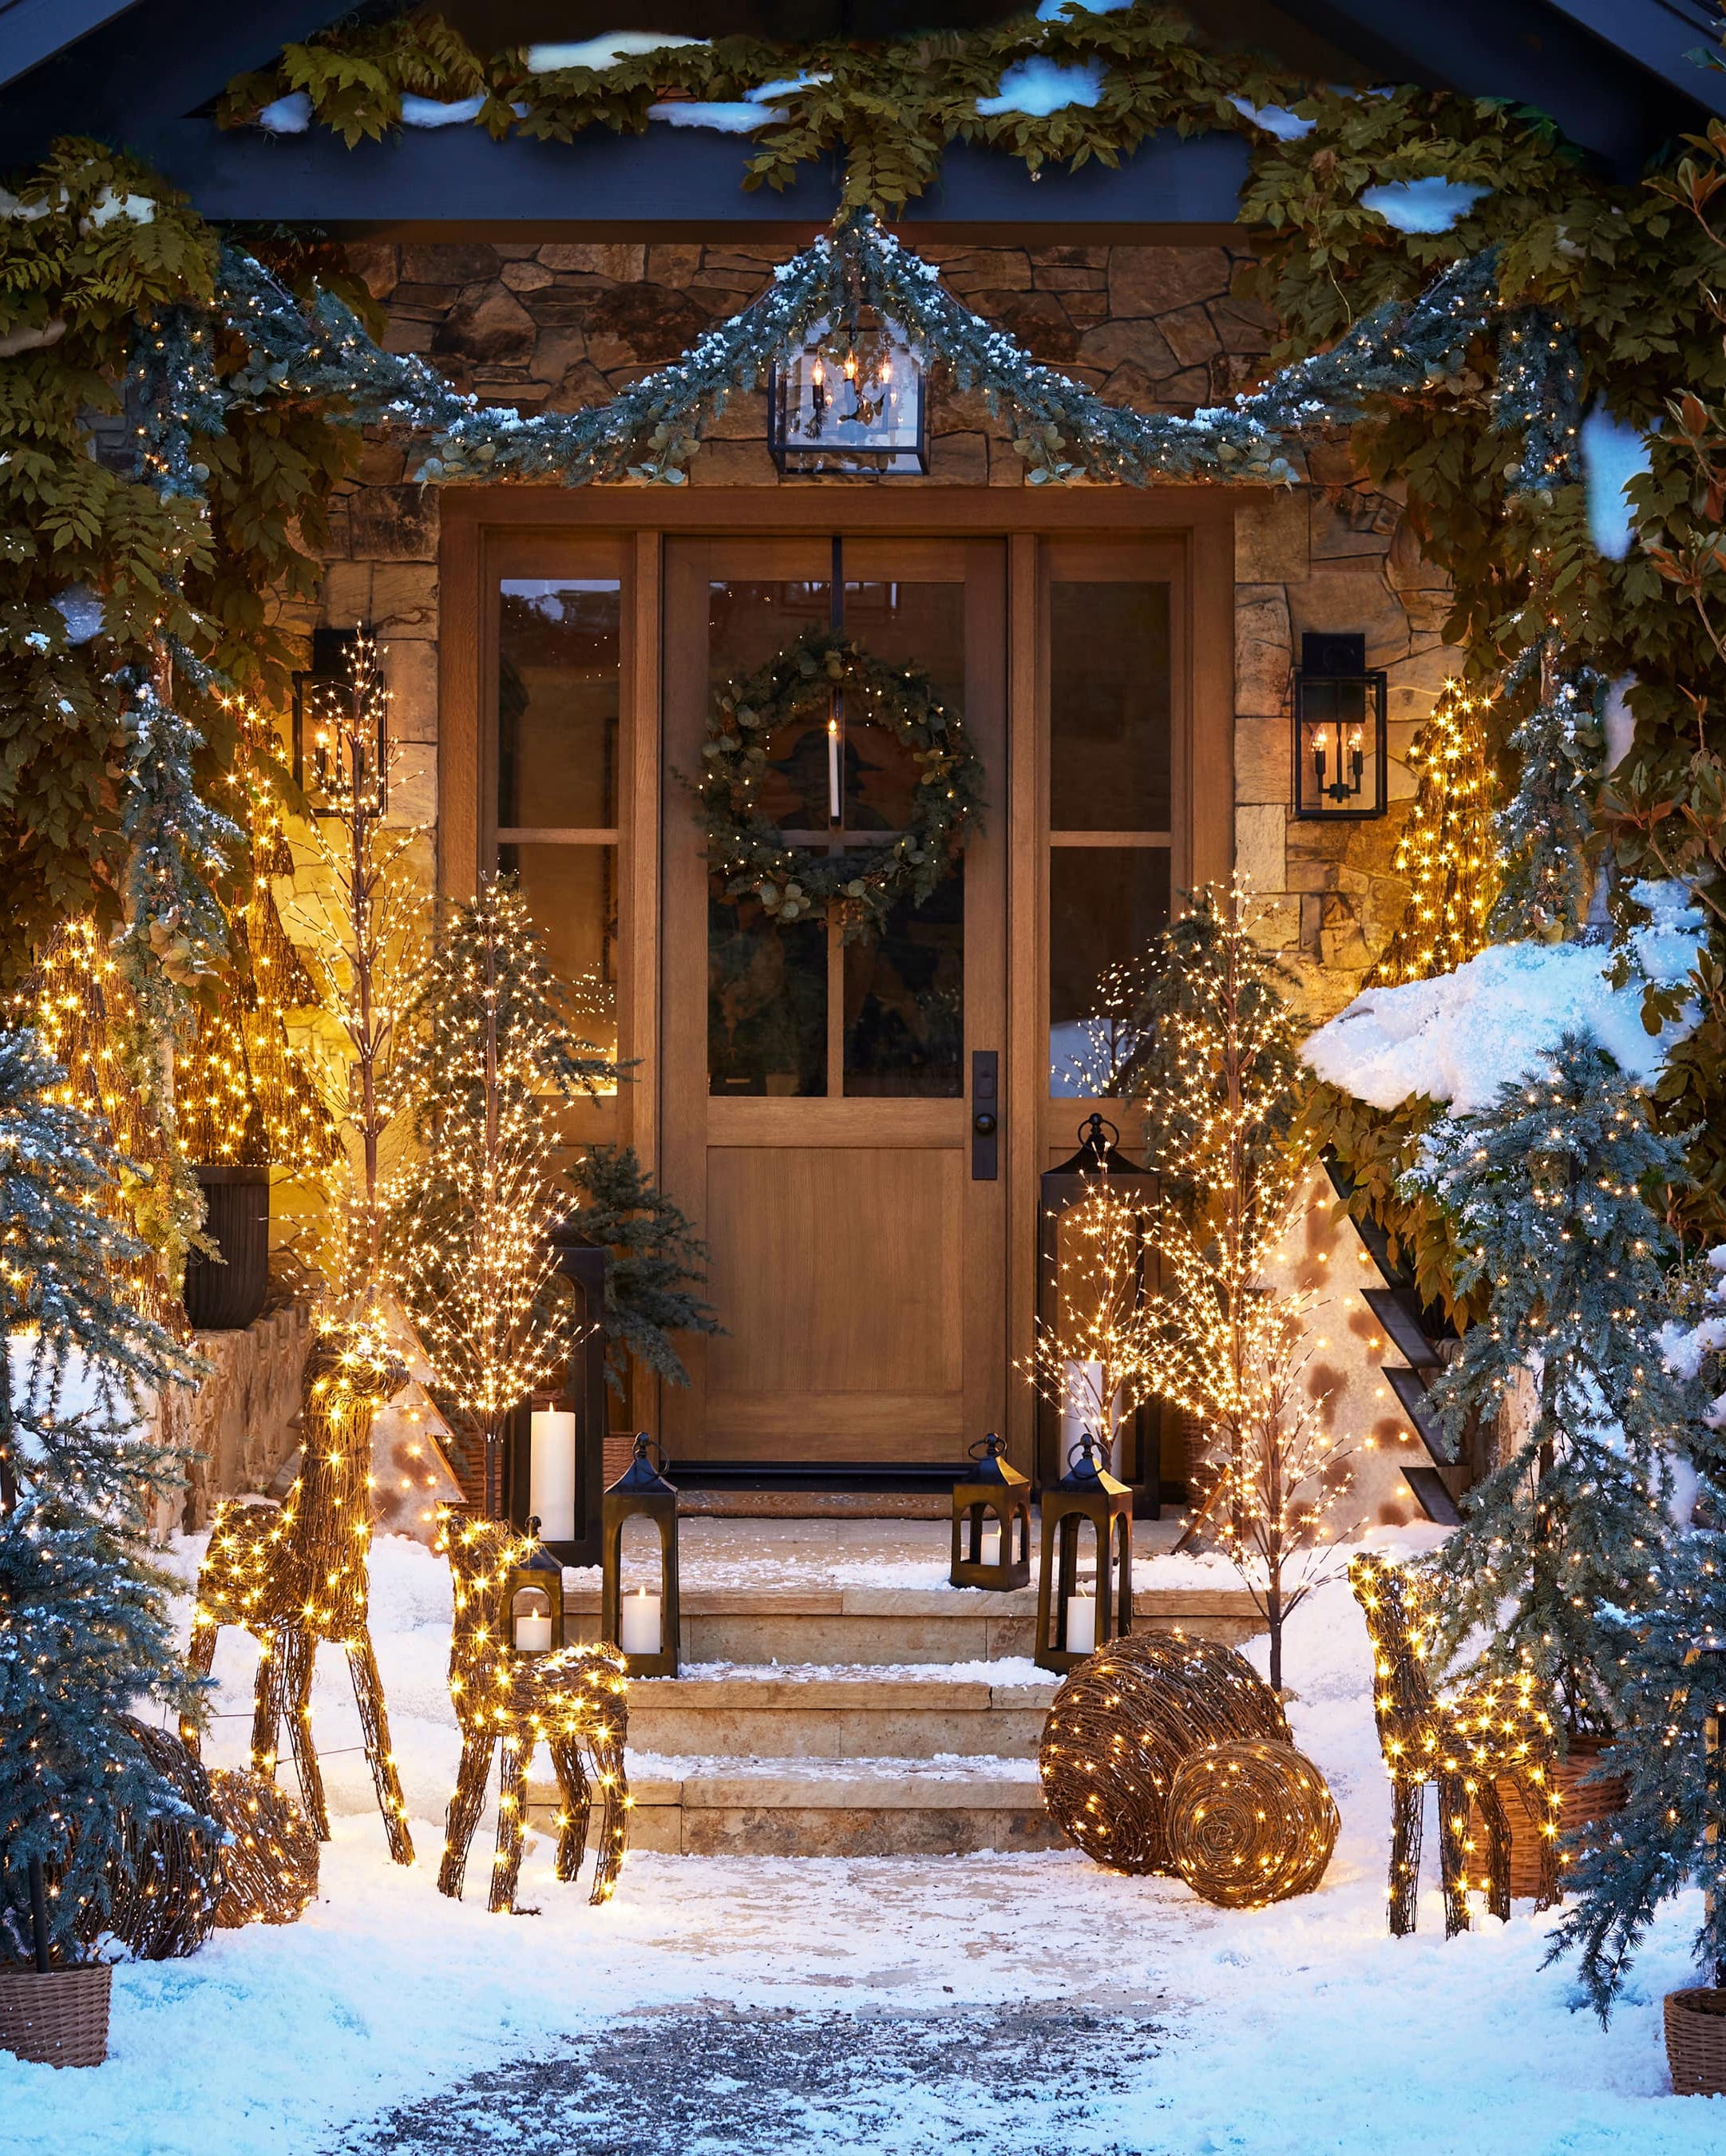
(551, 326)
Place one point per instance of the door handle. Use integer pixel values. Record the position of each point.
(986, 1114)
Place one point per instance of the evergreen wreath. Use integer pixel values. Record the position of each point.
(858, 887)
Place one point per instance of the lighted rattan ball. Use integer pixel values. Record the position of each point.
(1121, 1725)
(269, 1865)
(162, 1894)
(1250, 1824)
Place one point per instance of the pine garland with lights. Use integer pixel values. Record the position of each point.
(1445, 848)
(859, 886)
(494, 1039)
(84, 1625)
(1558, 1188)
(1546, 831)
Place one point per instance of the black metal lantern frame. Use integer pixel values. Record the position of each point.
(994, 1495)
(533, 1596)
(1098, 1163)
(850, 401)
(580, 1391)
(344, 681)
(1087, 1492)
(642, 1492)
(1341, 747)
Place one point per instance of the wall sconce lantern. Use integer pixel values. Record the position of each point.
(1070, 1623)
(644, 1624)
(532, 1597)
(992, 1511)
(1099, 1165)
(341, 720)
(1340, 756)
(849, 403)
(556, 1455)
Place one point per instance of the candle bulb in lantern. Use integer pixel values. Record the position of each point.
(833, 803)
(991, 1553)
(1080, 1624)
(640, 1623)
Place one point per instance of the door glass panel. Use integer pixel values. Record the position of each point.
(904, 1000)
(909, 624)
(571, 891)
(749, 620)
(1105, 904)
(767, 1001)
(557, 703)
(1109, 707)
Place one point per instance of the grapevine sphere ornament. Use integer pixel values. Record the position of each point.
(1250, 1823)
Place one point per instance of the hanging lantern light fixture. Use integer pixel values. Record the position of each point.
(1341, 757)
(849, 403)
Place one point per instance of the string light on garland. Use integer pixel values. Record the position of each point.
(573, 1701)
(1446, 850)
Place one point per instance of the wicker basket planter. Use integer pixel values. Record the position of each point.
(1696, 2043)
(60, 2020)
(1577, 1807)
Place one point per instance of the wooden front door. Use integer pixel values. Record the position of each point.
(817, 1100)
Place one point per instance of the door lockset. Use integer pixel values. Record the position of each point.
(985, 1115)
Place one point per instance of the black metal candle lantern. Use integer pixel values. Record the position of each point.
(642, 1492)
(849, 403)
(1087, 1492)
(993, 1502)
(1098, 1164)
(533, 1600)
(342, 691)
(1340, 753)
(556, 1455)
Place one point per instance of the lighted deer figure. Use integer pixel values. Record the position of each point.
(295, 1574)
(573, 1700)
(1463, 1748)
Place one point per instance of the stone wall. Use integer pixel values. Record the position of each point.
(549, 326)
(243, 1423)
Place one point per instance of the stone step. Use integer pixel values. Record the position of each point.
(883, 1807)
(873, 1625)
(780, 1712)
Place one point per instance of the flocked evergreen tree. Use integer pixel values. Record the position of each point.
(85, 1627)
(494, 1050)
(654, 1264)
(1557, 1187)
(1545, 830)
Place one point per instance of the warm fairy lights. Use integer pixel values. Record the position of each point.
(1251, 1823)
(270, 1861)
(1446, 849)
(1122, 1723)
(1498, 1733)
(573, 1700)
(1094, 1359)
(298, 1574)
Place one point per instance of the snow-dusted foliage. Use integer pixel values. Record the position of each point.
(85, 1628)
(1544, 828)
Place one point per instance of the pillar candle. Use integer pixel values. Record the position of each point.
(533, 1635)
(990, 1552)
(552, 1473)
(640, 1625)
(1080, 1624)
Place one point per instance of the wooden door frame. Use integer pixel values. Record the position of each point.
(482, 522)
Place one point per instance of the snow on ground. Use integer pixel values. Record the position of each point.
(1298, 2029)
(1461, 1035)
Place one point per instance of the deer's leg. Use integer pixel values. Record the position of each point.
(1454, 1852)
(576, 1807)
(465, 1806)
(1406, 1805)
(1497, 1842)
(269, 1703)
(295, 1652)
(614, 1818)
(200, 1657)
(375, 1726)
(512, 1804)
(1540, 1800)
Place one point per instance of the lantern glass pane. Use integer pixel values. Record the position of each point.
(904, 1000)
(851, 402)
(767, 1001)
(1109, 704)
(571, 892)
(1105, 904)
(558, 646)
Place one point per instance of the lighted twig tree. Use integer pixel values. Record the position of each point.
(1095, 1358)
(1446, 849)
(1215, 1071)
(495, 1048)
(1285, 1477)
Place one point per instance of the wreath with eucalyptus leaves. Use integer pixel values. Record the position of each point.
(859, 887)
